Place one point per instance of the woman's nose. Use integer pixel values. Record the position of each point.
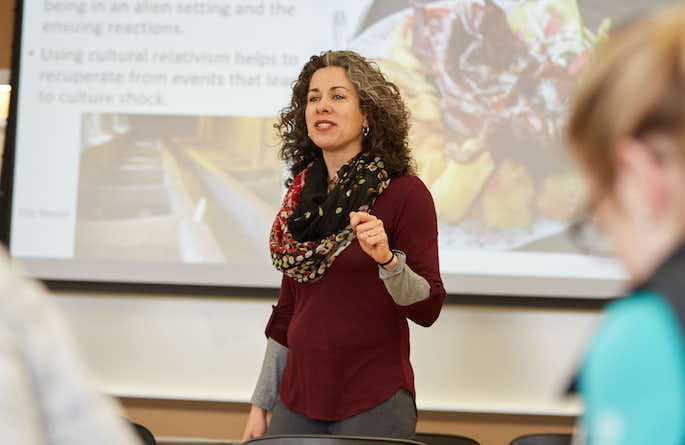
(323, 106)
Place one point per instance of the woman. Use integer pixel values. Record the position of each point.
(627, 130)
(356, 240)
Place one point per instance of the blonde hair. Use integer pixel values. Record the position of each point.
(634, 85)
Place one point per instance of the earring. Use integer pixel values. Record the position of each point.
(366, 130)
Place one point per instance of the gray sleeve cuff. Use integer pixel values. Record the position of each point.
(266, 390)
(403, 284)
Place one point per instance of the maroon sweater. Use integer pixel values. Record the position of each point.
(348, 342)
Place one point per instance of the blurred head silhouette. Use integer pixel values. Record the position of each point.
(627, 132)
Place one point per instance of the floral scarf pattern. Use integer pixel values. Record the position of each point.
(312, 226)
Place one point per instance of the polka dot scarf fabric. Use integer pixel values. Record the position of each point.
(312, 227)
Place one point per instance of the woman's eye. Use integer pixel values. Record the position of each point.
(313, 99)
(338, 97)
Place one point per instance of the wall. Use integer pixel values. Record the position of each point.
(473, 359)
(185, 365)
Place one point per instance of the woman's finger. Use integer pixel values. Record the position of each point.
(369, 225)
(373, 237)
(354, 220)
(364, 216)
(359, 218)
(366, 234)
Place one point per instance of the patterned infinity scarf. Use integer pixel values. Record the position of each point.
(313, 225)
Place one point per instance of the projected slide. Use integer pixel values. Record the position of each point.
(177, 190)
(145, 149)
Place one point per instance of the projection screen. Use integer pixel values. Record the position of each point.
(144, 149)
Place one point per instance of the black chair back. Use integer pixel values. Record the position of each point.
(144, 434)
(444, 439)
(186, 441)
(315, 439)
(543, 439)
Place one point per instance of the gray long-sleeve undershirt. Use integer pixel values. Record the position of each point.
(404, 286)
(266, 390)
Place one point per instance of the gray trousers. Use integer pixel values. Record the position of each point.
(395, 417)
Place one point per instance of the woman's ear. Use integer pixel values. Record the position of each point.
(641, 182)
(365, 116)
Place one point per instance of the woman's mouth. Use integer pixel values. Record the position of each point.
(322, 125)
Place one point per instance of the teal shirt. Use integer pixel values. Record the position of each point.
(633, 377)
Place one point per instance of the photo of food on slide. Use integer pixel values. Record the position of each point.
(488, 84)
(193, 189)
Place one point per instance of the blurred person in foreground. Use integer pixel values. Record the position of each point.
(45, 394)
(356, 240)
(627, 131)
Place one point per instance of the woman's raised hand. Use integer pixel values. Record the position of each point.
(372, 237)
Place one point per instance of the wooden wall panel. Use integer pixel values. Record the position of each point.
(225, 421)
(6, 27)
